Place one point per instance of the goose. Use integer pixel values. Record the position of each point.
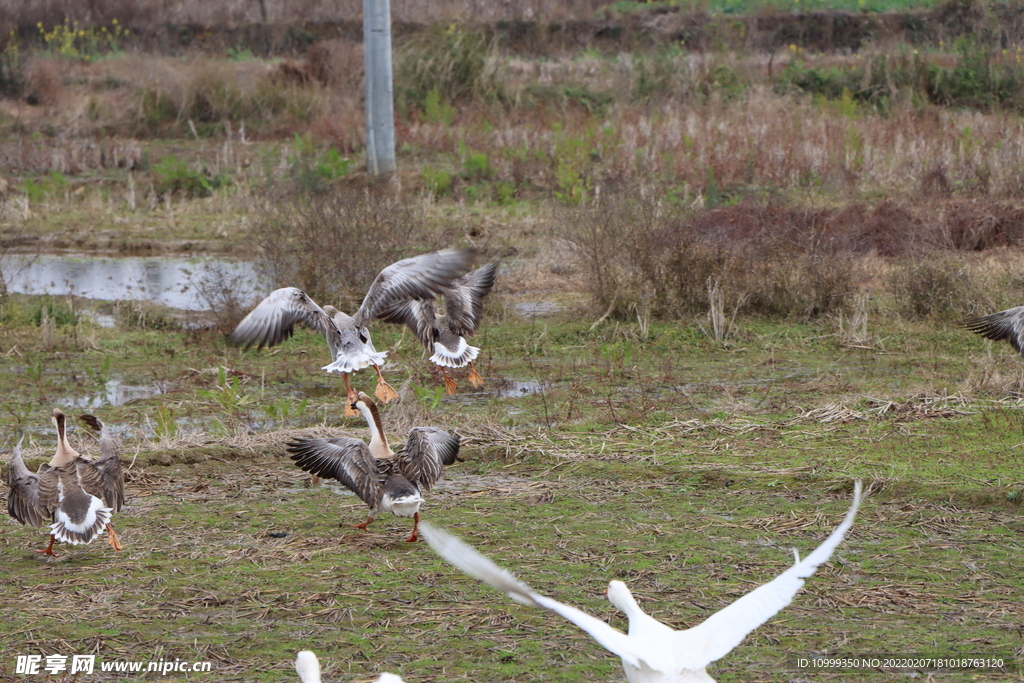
(1005, 325)
(445, 335)
(652, 652)
(78, 494)
(381, 478)
(308, 668)
(348, 337)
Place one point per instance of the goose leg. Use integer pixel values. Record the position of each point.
(352, 398)
(415, 525)
(363, 525)
(384, 391)
(49, 549)
(449, 384)
(474, 377)
(112, 538)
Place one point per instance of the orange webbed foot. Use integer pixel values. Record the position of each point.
(112, 538)
(384, 392)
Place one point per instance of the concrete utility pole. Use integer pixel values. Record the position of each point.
(380, 105)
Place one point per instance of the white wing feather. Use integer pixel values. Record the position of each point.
(714, 638)
(479, 567)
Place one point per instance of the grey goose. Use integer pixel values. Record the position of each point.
(384, 480)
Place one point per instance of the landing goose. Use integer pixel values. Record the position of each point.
(78, 494)
(308, 668)
(445, 335)
(348, 337)
(1005, 325)
(381, 478)
(653, 652)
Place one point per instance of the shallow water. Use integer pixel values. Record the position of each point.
(171, 281)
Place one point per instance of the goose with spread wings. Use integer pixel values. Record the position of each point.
(422, 277)
(76, 493)
(652, 652)
(381, 478)
(445, 335)
(1005, 325)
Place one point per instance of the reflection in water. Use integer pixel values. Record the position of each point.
(174, 282)
(114, 393)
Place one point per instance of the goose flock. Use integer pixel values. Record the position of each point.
(77, 495)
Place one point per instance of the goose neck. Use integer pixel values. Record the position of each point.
(378, 441)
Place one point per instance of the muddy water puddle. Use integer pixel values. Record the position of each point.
(181, 283)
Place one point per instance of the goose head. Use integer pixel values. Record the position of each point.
(621, 597)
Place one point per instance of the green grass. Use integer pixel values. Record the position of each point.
(686, 470)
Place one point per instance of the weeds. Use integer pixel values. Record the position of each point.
(171, 174)
(448, 64)
(69, 39)
(228, 395)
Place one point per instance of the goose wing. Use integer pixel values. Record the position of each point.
(108, 465)
(273, 320)
(464, 300)
(426, 453)
(416, 314)
(23, 502)
(697, 647)
(1005, 325)
(347, 460)
(479, 567)
(421, 277)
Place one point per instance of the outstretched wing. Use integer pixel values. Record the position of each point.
(464, 300)
(23, 501)
(426, 453)
(273, 320)
(1005, 325)
(421, 277)
(347, 460)
(479, 567)
(108, 466)
(417, 314)
(697, 647)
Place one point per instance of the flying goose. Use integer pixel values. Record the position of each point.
(1005, 325)
(78, 494)
(653, 652)
(348, 337)
(445, 335)
(381, 478)
(308, 668)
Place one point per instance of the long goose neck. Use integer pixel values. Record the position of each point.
(378, 442)
(65, 453)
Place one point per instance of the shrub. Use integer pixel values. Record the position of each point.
(939, 287)
(333, 244)
(643, 252)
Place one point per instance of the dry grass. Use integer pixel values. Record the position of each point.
(149, 12)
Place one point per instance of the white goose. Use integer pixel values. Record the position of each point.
(308, 668)
(653, 652)
(348, 337)
(1005, 325)
(78, 494)
(445, 335)
(382, 479)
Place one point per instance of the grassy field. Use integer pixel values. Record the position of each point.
(682, 467)
(841, 199)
